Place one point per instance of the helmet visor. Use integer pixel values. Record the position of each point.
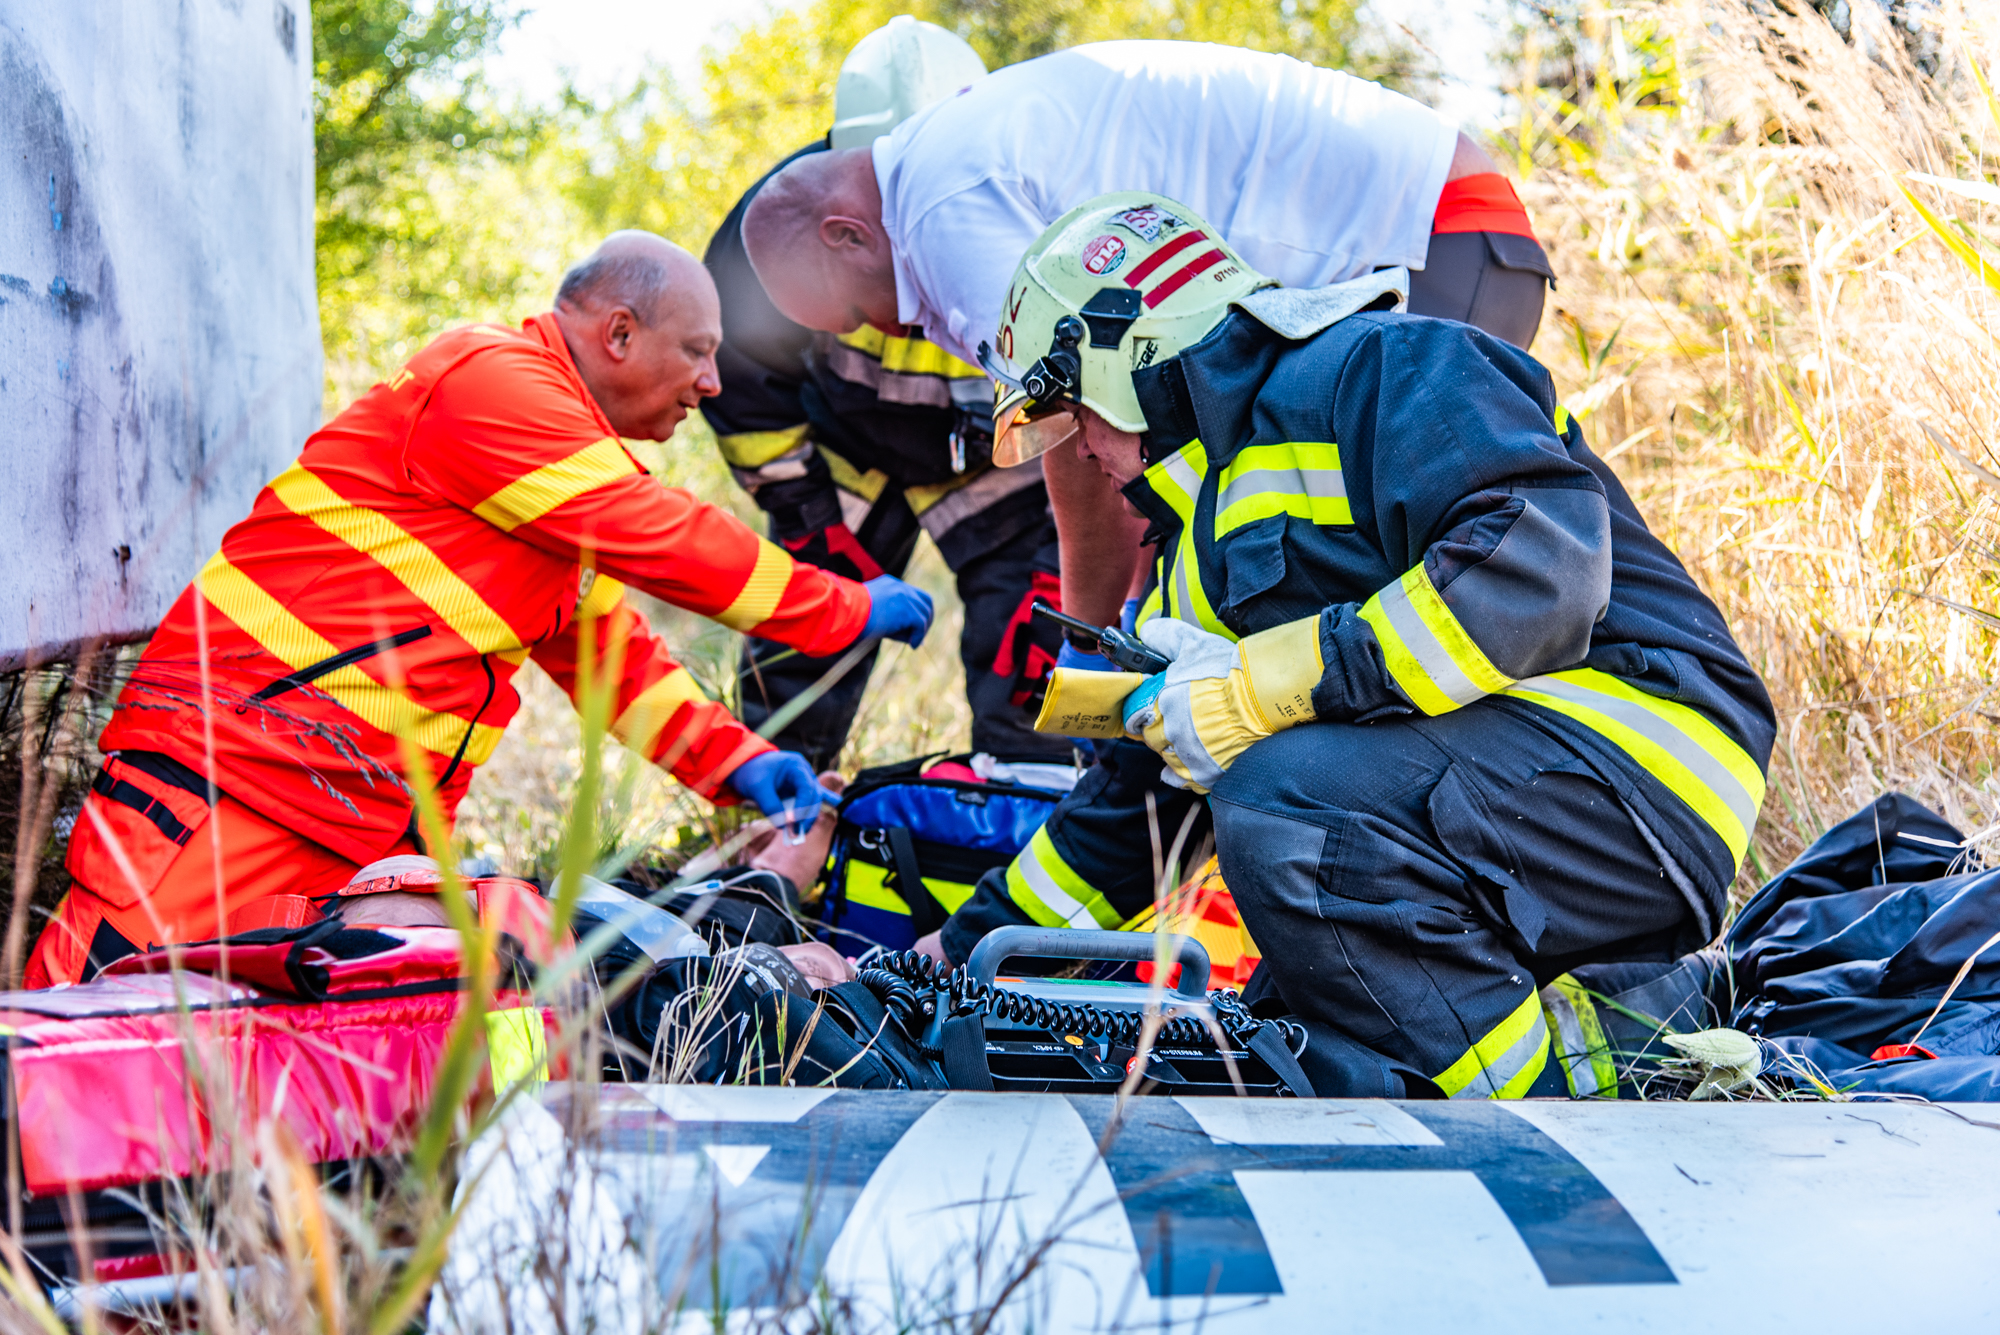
(1022, 431)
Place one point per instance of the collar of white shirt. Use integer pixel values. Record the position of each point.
(909, 304)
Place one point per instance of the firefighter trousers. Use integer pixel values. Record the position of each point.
(1414, 882)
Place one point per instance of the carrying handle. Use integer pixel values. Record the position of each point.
(1072, 943)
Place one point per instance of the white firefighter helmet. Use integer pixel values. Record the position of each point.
(893, 73)
(1111, 287)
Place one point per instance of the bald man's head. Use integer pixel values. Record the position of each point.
(634, 269)
(814, 235)
(642, 322)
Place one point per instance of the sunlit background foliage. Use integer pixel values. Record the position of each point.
(1776, 225)
(1778, 352)
(1775, 233)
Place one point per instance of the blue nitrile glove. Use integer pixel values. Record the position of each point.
(1083, 660)
(896, 611)
(778, 781)
(1128, 616)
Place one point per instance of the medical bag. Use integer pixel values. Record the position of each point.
(915, 837)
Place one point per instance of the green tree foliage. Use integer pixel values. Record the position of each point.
(437, 208)
(663, 159)
(405, 140)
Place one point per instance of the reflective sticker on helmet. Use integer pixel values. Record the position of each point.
(1104, 255)
(1148, 223)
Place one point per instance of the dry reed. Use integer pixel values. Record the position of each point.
(1784, 360)
(1793, 373)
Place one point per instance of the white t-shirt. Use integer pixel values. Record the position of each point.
(1314, 176)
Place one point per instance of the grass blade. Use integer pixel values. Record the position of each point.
(1956, 244)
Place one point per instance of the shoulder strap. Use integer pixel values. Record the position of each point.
(926, 914)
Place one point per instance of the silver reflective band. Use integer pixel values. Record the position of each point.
(1431, 656)
(1183, 603)
(1494, 1077)
(1704, 767)
(1052, 895)
(1322, 484)
(1573, 1049)
(919, 388)
(976, 495)
(1189, 481)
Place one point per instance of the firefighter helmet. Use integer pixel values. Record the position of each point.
(895, 72)
(1113, 286)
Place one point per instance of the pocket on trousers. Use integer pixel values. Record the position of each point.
(147, 853)
(1554, 862)
(131, 831)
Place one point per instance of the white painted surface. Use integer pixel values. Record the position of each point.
(1830, 1218)
(159, 329)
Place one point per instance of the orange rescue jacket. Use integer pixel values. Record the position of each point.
(455, 520)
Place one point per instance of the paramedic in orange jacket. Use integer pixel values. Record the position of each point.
(473, 511)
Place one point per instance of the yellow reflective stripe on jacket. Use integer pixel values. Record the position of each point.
(1188, 598)
(921, 499)
(1151, 607)
(754, 449)
(1580, 1044)
(1049, 890)
(600, 595)
(868, 486)
(639, 724)
(1177, 480)
(297, 645)
(415, 566)
(1562, 419)
(1427, 651)
(1300, 478)
(1675, 744)
(867, 885)
(1506, 1062)
(762, 592)
(909, 356)
(528, 498)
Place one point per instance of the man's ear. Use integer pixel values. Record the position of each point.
(842, 233)
(617, 332)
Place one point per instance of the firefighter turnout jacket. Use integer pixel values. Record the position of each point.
(1410, 487)
(853, 445)
(467, 514)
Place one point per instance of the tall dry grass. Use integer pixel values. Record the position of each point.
(1792, 371)
(1790, 367)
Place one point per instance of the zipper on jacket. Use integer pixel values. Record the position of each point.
(313, 672)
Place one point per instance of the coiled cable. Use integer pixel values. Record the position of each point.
(903, 979)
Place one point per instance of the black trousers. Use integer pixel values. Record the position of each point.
(1493, 280)
(1414, 882)
(991, 585)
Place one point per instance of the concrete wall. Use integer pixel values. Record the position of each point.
(159, 331)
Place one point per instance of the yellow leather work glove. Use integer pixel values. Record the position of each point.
(1218, 697)
(1083, 702)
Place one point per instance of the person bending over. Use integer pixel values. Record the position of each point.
(473, 511)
